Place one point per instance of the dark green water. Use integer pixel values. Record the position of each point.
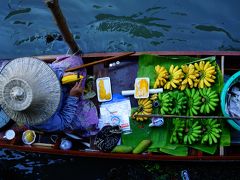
(27, 28)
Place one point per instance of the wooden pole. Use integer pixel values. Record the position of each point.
(100, 61)
(186, 117)
(62, 25)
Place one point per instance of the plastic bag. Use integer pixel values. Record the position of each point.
(116, 113)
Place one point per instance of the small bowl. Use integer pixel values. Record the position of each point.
(26, 139)
(9, 134)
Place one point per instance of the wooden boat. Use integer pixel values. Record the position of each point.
(228, 61)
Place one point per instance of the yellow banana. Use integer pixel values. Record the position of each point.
(71, 78)
(207, 72)
(148, 106)
(161, 77)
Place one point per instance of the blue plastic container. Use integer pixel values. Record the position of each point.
(230, 82)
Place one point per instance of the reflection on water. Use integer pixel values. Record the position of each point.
(27, 28)
(134, 26)
(16, 12)
(216, 29)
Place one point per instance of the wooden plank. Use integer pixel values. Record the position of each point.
(49, 58)
(144, 156)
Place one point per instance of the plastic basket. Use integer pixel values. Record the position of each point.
(230, 82)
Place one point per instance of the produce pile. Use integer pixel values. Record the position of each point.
(191, 101)
(199, 75)
(187, 92)
(206, 131)
(191, 87)
(195, 95)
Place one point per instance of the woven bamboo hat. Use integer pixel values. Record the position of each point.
(30, 91)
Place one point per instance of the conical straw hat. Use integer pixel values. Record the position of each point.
(30, 91)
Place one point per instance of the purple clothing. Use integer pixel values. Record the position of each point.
(73, 113)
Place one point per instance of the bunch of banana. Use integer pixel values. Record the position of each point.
(193, 132)
(212, 132)
(178, 130)
(179, 102)
(71, 78)
(175, 77)
(209, 100)
(194, 101)
(144, 108)
(206, 74)
(190, 76)
(154, 97)
(164, 103)
(162, 76)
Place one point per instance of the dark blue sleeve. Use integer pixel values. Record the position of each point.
(68, 111)
(62, 119)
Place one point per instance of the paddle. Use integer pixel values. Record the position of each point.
(62, 25)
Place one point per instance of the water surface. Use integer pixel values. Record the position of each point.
(27, 27)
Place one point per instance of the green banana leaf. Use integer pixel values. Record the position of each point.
(225, 139)
(160, 135)
(140, 131)
(205, 148)
(178, 151)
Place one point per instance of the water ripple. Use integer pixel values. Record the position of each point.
(211, 28)
(16, 12)
(137, 27)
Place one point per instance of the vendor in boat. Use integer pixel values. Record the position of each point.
(31, 95)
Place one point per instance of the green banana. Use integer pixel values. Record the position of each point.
(209, 100)
(179, 102)
(193, 132)
(164, 103)
(194, 101)
(212, 131)
(178, 130)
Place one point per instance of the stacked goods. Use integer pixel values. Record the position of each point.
(178, 102)
(191, 102)
(206, 74)
(209, 100)
(164, 103)
(211, 131)
(191, 88)
(175, 77)
(162, 76)
(178, 128)
(190, 77)
(206, 131)
(194, 97)
(194, 102)
(192, 132)
(144, 108)
(201, 74)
